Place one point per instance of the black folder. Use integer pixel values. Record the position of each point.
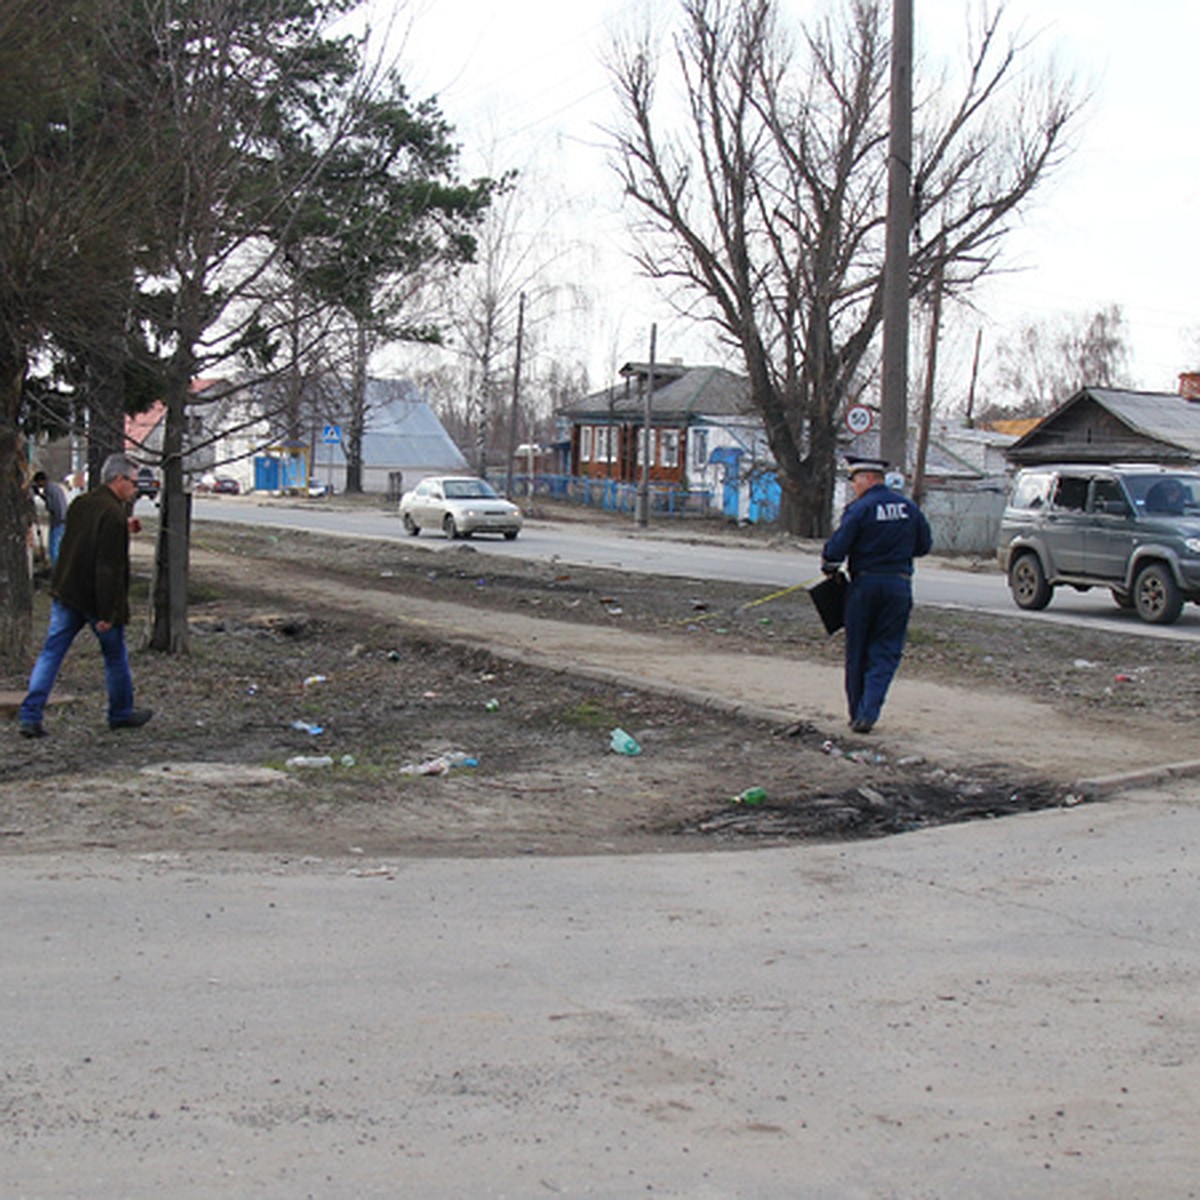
(829, 599)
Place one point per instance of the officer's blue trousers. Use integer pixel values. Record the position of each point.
(877, 610)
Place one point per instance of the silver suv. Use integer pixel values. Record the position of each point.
(1134, 530)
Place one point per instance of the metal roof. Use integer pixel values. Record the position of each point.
(402, 430)
(1163, 417)
(1166, 417)
(681, 393)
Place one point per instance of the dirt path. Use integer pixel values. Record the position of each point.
(959, 727)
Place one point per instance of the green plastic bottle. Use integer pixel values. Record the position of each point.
(752, 796)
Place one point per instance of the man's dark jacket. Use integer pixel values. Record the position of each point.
(92, 573)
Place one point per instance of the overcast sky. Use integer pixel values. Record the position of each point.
(523, 84)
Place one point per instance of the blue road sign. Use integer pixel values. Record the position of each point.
(333, 435)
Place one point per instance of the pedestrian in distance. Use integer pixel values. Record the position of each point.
(880, 533)
(90, 586)
(54, 497)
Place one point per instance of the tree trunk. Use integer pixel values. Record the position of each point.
(358, 413)
(169, 620)
(16, 579)
(105, 415)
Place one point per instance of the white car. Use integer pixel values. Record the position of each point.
(458, 505)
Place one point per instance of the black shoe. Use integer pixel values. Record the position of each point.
(136, 719)
(32, 729)
(862, 725)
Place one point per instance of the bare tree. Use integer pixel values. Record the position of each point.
(518, 253)
(1045, 362)
(250, 96)
(764, 203)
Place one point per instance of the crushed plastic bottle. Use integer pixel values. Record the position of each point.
(443, 764)
(752, 796)
(623, 743)
(312, 680)
(307, 727)
(431, 766)
(492, 705)
(309, 760)
(347, 760)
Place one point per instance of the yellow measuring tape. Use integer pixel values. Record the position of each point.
(782, 592)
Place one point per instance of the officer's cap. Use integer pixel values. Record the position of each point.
(854, 464)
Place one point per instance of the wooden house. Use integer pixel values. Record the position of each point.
(1115, 425)
(693, 411)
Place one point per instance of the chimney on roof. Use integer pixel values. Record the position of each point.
(1189, 385)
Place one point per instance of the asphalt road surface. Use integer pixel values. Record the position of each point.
(671, 550)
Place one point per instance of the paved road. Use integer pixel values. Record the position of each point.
(1001, 1010)
(663, 551)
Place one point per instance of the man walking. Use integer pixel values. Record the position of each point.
(90, 586)
(880, 534)
(54, 497)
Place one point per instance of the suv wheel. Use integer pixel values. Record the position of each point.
(1027, 581)
(1156, 595)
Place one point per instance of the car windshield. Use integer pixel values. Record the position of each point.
(1169, 495)
(468, 489)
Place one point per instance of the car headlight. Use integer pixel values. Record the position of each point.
(1193, 544)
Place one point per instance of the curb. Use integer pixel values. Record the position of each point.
(1104, 785)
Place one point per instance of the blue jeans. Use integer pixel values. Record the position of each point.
(65, 624)
(56, 537)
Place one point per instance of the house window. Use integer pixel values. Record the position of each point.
(585, 443)
(699, 448)
(606, 438)
(668, 448)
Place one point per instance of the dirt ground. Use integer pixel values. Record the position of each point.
(280, 639)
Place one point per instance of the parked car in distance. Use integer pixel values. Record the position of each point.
(208, 482)
(1132, 529)
(318, 488)
(148, 484)
(459, 506)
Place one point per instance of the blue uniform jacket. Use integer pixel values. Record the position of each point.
(880, 534)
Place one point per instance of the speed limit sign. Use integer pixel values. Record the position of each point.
(859, 418)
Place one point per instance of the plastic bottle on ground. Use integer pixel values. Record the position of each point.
(623, 743)
(751, 796)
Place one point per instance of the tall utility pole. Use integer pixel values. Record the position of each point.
(516, 395)
(893, 407)
(935, 327)
(643, 498)
(974, 377)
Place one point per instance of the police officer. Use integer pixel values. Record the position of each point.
(880, 534)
